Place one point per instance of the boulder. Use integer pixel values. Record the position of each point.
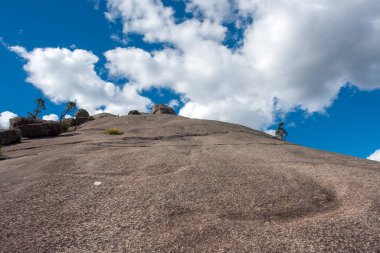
(10, 136)
(81, 116)
(134, 112)
(49, 128)
(162, 109)
(19, 121)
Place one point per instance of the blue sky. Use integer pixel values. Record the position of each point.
(196, 65)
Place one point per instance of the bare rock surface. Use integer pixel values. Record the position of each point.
(172, 184)
(102, 115)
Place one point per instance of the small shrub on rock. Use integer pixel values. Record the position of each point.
(64, 127)
(113, 131)
(1, 153)
(281, 133)
(40, 107)
(70, 105)
(66, 124)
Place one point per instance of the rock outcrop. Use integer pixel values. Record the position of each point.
(10, 136)
(134, 112)
(19, 121)
(82, 116)
(102, 115)
(173, 184)
(45, 129)
(162, 109)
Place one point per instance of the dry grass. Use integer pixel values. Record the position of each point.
(113, 131)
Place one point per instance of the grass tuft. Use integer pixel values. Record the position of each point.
(113, 131)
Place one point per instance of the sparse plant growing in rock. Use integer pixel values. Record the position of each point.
(281, 133)
(1, 153)
(113, 131)
(70, 105)
(64, 127)
(40, 107)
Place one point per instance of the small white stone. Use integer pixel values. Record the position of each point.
(97, 183)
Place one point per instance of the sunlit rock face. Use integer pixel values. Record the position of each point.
(174, 184)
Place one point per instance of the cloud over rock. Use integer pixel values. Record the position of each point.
(4, 119)
(290, 54)
(375, 156)
(63, 74)
(52, 117)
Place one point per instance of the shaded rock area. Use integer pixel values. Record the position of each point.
(82, 116)
(70, 122)
(162, 109)
(173, 184)
(134, 112)
(45, 129)
(67, 124)
(10, 136)
(19, 121)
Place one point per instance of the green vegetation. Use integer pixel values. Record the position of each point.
(40, 107)
(1, 152)
(113, 131)
(64, 124)
(64, 127)
(281, 133)
(70, 105)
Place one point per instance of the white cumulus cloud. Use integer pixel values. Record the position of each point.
(173, 103)
(69, 75)
(53, 117)
(4, 119)
(294, 54)
(297, 53)
(214, 10)
(375, 156)
(271, 132)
